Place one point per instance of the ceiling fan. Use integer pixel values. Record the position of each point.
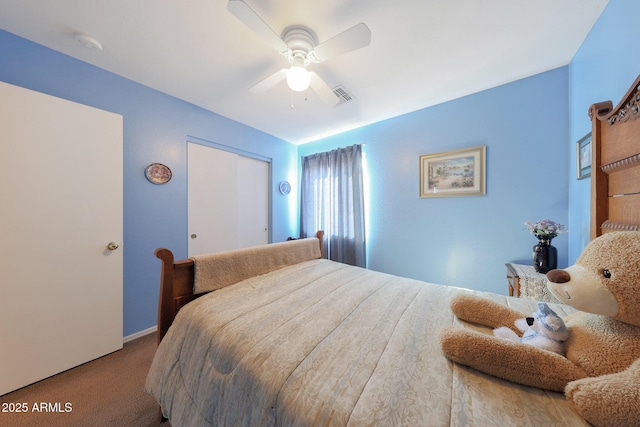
(300, 46)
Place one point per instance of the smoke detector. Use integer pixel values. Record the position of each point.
(88, 41)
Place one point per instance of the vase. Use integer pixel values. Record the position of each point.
(545, 256)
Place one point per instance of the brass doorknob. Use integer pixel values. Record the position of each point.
(112, 246)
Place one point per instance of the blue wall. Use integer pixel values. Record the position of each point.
(156, 128)
(465, 241)
(603, 69)
(529, 126)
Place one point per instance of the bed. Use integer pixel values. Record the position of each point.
(278, 335)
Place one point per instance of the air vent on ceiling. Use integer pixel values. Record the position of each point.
(342, 94)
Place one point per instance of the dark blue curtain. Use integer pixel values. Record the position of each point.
(332, 199)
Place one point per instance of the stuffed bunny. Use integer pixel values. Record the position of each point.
(544, 330)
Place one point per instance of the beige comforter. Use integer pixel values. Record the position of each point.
(322, 343)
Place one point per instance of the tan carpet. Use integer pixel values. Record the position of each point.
(105, 392)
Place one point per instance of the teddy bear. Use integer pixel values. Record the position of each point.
(600, 371)
(544, 330)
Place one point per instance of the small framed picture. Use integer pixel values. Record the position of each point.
(583, 156)
(454, 173)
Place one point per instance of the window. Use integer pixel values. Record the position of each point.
(332, 200)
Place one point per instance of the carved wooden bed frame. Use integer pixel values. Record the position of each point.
(176, 286)
(615, 168)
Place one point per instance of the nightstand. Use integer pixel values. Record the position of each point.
(526, 282)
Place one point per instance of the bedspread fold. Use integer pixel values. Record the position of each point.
(217, 270)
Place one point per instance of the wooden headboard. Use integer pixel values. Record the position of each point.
(615, 164)
(176, 286)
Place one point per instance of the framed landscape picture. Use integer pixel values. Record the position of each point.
(583, 152)
(454, 173)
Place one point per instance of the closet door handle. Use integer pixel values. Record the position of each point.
(112, 246)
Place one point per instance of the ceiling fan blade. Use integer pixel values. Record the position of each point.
(323, 90)
(354, 38)
(269, 82)
(244, 13)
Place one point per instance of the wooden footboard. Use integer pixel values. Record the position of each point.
(176, 286)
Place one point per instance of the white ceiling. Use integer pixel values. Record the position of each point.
(422, 52)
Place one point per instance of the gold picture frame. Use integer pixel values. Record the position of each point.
(454, 173)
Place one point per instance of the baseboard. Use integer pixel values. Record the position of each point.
(140, 334)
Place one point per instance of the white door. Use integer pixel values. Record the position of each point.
(228, 200)
(212, 197)
(61, 191)
(253, 202)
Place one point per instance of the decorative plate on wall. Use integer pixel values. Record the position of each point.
(158, 173)
(285, 187)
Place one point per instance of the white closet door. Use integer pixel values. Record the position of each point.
(213, 203)
(61, 190)
(228, 200)
(253, 201)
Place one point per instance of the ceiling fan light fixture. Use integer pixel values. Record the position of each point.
(298, 78)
